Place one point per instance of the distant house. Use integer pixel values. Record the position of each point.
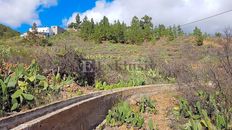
(46, 31)
(43, 30)
(57, 30)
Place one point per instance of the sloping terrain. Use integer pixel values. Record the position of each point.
(7, 32)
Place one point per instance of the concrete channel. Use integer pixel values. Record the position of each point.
(79, 113)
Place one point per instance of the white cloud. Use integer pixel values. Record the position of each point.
(16, 12)
(167, 12)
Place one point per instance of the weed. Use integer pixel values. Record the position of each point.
(151, 125)
(205, 113)
(123, 113)
(147, 105)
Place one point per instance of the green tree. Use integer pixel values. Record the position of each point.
(72, 25)
(147, 26)
(134, 33)
(102, 30)
(218, 34)
(175, 31)
(171, 34)
(197, 33)
(117, 32)
(34, 28)
(78, 21)
(162, 30)
(87, 28)
(180, 32)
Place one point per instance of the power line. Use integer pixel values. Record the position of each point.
(207, 18)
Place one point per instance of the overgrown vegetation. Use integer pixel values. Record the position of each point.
(208, 104)
(207, 111)
(147, 105)
(25, 86)
(7, 32)
(33, 37)
(22, 85)
(125, 114)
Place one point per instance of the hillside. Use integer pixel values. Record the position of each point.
(7, 32)
(51, 73)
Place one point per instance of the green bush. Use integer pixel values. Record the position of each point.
(5, 53)
(206, 112)
(147, 105)
(123, 114)
(24, 85)
(198, 36)
(122, 84)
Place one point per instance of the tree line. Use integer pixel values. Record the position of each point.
(138, 31)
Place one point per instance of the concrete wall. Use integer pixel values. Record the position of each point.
(86, 114)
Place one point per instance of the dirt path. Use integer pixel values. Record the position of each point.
(165, 102)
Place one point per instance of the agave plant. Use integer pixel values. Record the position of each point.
(147, 105)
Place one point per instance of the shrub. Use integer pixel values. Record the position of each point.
(147, 105)
(198, 36)
(68, 63)
(21, 86)
(123, 113)
(206, 112)
(36, 39)
(5, 53)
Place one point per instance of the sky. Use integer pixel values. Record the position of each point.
(20, 14)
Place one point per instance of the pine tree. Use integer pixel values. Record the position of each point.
(86, 28)
(117, 32)
(147, 26)
(162, 31)
(34, 28)
(171, 35)
(197, 33)
(180, 32)
(156, 33)
(175, 31)
(78, 21)
(72, 25)
(102, 30)
(135, 33)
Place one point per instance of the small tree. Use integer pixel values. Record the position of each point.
(102, 30)
(198, 36)
(78, 21)
(134, 33)
(34, 28)
(76, 24)
(180, 32)
(86, 29)
(218, 34)
(147, 26)
(171, 35)
(118, 32)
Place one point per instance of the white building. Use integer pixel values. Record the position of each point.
(43, 30)
(54, 30)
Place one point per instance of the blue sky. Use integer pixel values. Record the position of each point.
(54, 15)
